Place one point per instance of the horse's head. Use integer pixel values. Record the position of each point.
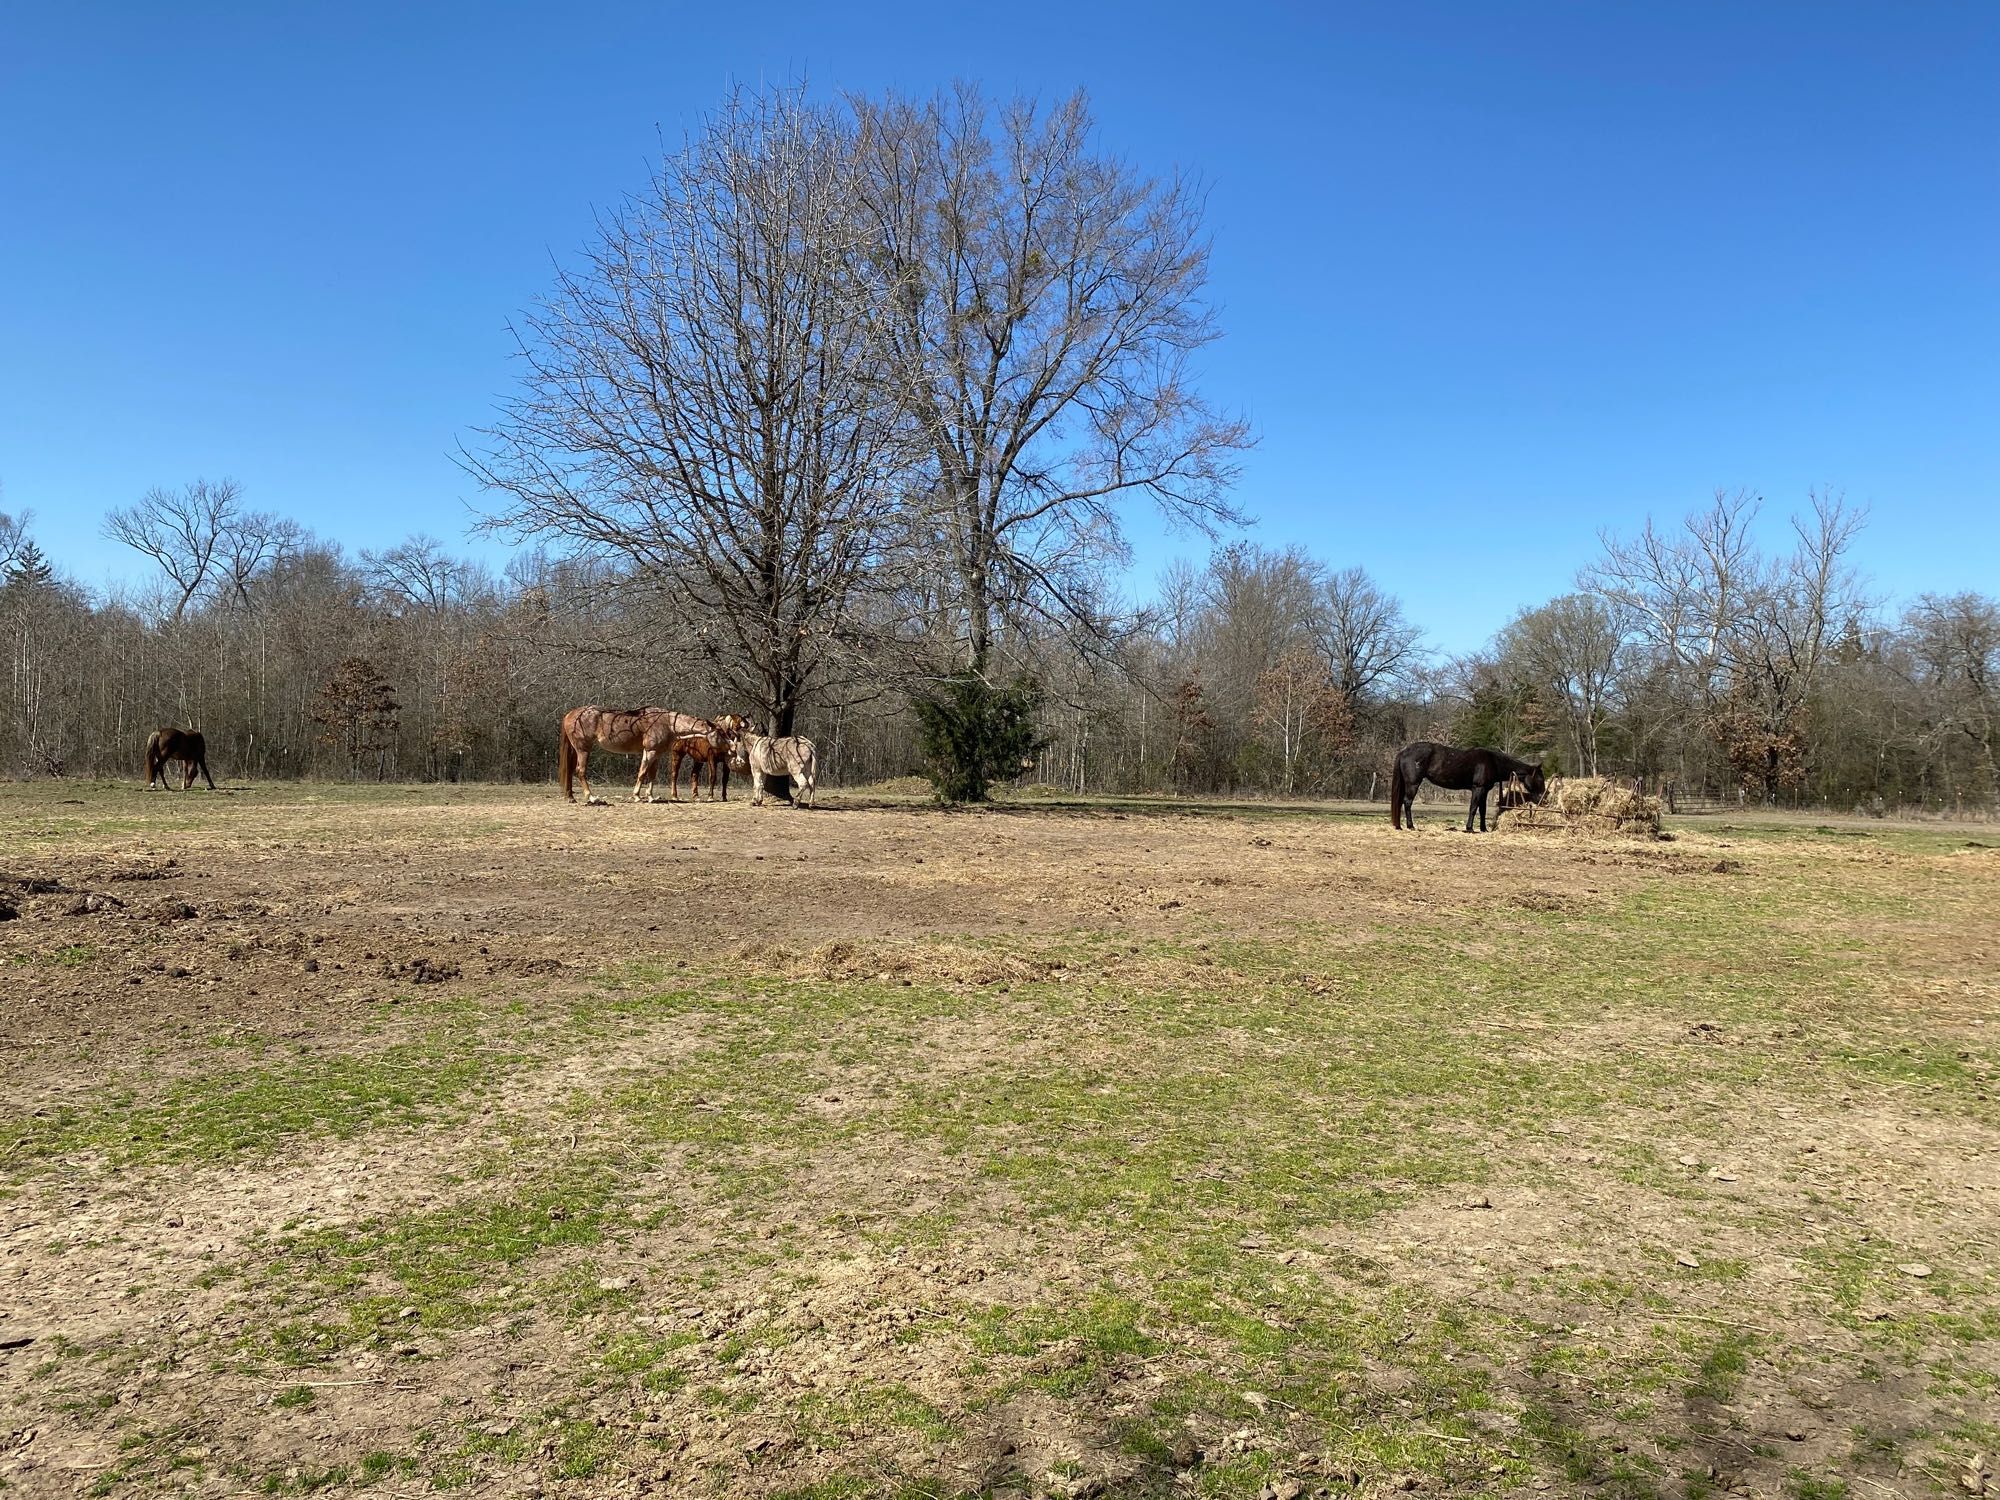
(1535, 785)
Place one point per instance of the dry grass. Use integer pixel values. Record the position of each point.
(1069, 1148)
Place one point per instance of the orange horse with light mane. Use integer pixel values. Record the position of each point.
(643, 732)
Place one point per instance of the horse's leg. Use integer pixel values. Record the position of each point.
(674, 774)
(756, 787)
(583, 772)
(645, 781)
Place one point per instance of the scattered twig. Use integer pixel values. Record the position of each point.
(1723, 1322)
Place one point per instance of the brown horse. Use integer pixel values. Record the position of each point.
(643, 732)
(183, 745)
(720, 749)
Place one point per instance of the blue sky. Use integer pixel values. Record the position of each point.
(1492, 277)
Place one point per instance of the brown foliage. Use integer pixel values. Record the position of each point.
(357, 712)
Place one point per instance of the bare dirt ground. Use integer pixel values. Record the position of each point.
(396, 1140)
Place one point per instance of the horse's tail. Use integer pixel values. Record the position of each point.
(566, 759)
(808, 770)
(153, 756)
(1397, 783)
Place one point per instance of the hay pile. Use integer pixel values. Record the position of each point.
(1591, 804)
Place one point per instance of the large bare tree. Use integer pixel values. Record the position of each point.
(701, 398)
(1041, 304)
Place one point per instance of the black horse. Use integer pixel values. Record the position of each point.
(183, 745)
(1476, 771)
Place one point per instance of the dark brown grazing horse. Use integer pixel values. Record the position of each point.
(1476, 771)
(719, 750)
(643, 732)
(183, 745)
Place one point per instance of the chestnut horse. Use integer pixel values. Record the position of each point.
(183, 745)
(1477, 771)
(719, 749)
(643, 732)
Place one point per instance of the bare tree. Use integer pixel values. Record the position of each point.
(184, 531)
(1040, 304)
(1258, 606)
(13, 536)
(251, 545)
(1744, 638)
(1298, 698)
(1955, 643)
(702, 399)
(44, 628)
(1362, 633)
(417, 574)
(1570, 651)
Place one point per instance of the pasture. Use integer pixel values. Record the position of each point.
(392, 1140)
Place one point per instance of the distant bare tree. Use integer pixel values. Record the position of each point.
(1298, 698)
(1569, 650)
(44, 631)
(183, 531)
(1257, 605)
(1362, 633)
(1040, 303)
(702, 398)
(204, 542)
(1955, 642)
(13, 536)
(251, 545)
(416, 574)
(1745, 638)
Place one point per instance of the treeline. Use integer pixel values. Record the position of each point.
(836, 416)
(1689, 658)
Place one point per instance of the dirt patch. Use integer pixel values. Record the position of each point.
(311, 935)
(1057, 1149)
